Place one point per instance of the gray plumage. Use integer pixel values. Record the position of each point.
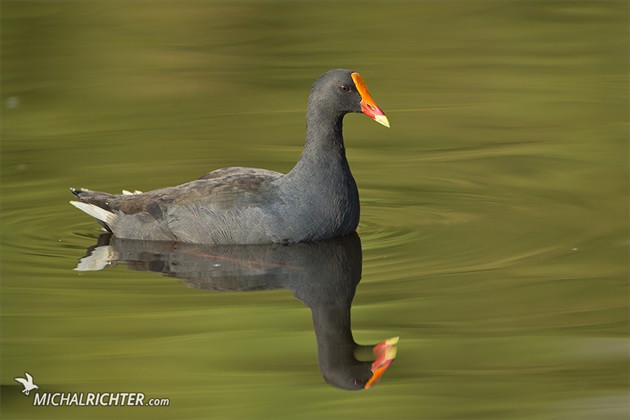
(317, 199)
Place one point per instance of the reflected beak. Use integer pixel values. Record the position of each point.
(385, 353)
(368, 106)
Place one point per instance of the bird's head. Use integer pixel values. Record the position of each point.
(343, 91)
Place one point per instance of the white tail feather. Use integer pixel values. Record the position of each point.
(96, 212)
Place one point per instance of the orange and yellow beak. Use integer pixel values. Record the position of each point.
(385, 353)
(368, 106)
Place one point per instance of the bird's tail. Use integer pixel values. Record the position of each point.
(96, 204)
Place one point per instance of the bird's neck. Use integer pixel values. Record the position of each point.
(324, 152)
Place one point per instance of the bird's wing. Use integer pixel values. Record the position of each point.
(29, 377)
(184, 212)
(22, 381)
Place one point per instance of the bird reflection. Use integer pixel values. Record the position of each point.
(323, 275)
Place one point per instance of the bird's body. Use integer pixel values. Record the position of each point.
(224, 207)
(317, 199)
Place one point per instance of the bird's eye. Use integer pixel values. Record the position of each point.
(344, 88)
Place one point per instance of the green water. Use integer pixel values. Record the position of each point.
(494, 211)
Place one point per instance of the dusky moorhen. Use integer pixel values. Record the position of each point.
(317, 199)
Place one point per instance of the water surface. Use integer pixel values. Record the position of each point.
(494, 222)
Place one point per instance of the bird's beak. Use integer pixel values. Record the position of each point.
(385, 353)
(368, 106)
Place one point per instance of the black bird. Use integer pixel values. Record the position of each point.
(318, 199)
